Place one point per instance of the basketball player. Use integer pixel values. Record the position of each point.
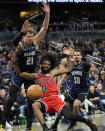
(78, 84)
(26, 56)
(50, 101)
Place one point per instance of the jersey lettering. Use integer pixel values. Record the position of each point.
(77, 80)
(44, 88)
(48, 84)
(29, 61)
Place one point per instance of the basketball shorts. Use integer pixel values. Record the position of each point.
(52, 104)
(79, 94)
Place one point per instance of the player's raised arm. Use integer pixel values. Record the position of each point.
(18, 37)
(42, 32)
(63, 70)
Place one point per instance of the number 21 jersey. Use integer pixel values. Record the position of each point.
(27, 59)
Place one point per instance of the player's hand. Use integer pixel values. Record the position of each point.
(19, 48)
(12, 108)
(66, 51)
(25, 26)
(46, 7)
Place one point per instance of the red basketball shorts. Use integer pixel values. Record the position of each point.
(53, 103)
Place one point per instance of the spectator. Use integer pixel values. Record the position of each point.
(97, 80)
(21, 100)
(94, 97)
(88, 104)
(103, 79)
(2, 100)
(101, 93)
(96, 53)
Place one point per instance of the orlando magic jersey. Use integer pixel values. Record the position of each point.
(27, 59)
(78, 77)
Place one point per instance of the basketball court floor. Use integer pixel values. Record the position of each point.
(98, 119)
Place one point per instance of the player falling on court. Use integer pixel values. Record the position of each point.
(26, 56)
(50, 101)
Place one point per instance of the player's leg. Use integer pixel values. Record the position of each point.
(68, 101)
(76, 105)
(29, 114)
(39, 108)
(64, 111)
(81, 97)
(76, 118)
(12, 97)
(54, 126)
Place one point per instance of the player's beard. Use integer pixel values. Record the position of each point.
(77, 61)
(45, 71)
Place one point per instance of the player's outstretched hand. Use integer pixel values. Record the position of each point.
(66, 51)
(19, 47)
(46, 7)
(25, 26)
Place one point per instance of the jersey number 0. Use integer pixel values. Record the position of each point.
(44, 88)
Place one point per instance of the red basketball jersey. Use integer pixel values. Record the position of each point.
(48, 85)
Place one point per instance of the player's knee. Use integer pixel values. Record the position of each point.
(66, 112)
(76, 104)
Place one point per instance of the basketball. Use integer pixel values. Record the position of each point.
(34, 92)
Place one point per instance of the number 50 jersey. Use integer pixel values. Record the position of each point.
(27, 59)
(78, 77)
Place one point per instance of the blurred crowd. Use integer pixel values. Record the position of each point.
(93, 50)
(61, 26)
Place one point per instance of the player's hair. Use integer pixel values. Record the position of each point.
(52, 58)
(78, 50)
(30, 30)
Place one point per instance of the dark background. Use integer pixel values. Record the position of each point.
(65, 12)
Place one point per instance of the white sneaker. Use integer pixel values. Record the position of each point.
(8, 125)
(49, 118)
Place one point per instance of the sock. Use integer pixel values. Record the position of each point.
(57, 120)
(71, 117)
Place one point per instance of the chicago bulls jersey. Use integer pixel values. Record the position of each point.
(48, 85)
